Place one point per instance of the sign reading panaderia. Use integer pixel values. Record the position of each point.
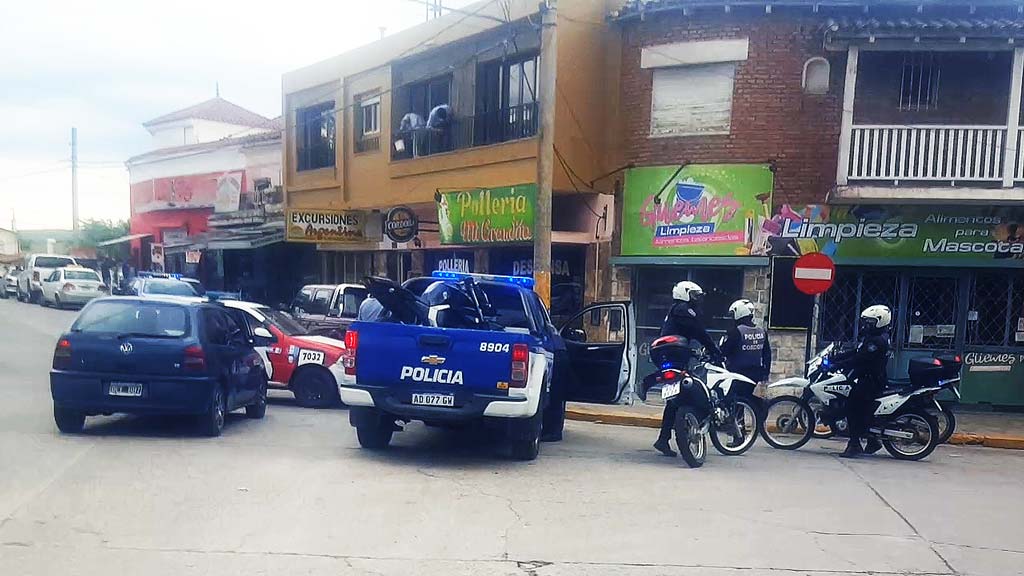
(329, 226)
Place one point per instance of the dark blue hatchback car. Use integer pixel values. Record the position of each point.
(157, 356)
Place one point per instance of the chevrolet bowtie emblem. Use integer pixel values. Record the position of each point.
(433, 360)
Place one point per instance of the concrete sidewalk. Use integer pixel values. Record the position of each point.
(992, 429)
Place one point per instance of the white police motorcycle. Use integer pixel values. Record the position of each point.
(902, 419)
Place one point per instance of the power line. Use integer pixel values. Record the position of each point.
(456, 10)
(62, 166)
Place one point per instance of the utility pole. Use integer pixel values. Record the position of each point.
(74, 179)
(545, 150)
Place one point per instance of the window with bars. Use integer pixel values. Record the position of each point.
(996, 314)
(852, 292)
(932, 315)
(919, 81)
(367, 125)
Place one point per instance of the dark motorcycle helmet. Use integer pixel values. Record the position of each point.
(451, 305)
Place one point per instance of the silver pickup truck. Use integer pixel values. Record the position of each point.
(327, 309)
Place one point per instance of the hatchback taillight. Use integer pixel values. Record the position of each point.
(62, 354)
(348, 358)
(520, 366)
(195, 359)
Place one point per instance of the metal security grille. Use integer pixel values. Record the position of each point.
(853, 292)
(932, 316)
(996, 309)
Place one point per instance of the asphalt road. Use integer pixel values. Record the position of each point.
(294, 494)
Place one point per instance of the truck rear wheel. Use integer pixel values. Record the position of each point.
(525, 438)
(375, 436)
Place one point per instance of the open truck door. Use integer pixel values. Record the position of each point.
(601, 346)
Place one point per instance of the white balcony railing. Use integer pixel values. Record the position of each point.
(930, 152)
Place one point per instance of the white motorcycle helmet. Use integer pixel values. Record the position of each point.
(876, 317)
(741, 309)
(687, 291)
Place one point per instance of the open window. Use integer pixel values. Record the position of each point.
(601, 345)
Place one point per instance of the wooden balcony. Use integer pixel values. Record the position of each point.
(949, 154)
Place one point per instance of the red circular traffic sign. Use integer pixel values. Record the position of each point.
(814, 273)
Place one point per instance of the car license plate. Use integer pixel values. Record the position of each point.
(131, 389)
(447, 400)
(669, 390)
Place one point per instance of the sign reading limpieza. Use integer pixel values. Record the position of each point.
(326, 226)
(487, 216)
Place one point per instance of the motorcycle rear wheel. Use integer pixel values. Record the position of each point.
(692, 444)
(749, 427)
(785, 423)
(926, 436)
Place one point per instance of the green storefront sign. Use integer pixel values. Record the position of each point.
(897, 235)
(695, 210)
(487, 216)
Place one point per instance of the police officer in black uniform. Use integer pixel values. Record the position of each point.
(866, 366)
(745, 346)
(684, 319)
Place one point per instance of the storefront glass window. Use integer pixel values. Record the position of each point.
(996, 310)
(932, 321)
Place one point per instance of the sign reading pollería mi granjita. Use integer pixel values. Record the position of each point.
(487, 215)
(326, 226)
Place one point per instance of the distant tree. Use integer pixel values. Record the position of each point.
(92, 232)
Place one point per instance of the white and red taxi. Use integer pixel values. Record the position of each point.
(307, 365)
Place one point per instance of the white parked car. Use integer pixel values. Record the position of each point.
(38, 267)
(10, 283)
(73, 285)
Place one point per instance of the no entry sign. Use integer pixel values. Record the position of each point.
(814, 273)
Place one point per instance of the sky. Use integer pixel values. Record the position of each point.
(107, 66)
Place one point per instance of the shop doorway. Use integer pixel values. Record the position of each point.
(652, 297)
(932, 313)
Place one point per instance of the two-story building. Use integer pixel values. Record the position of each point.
(883, 133)
(419, 152)
(203, 202)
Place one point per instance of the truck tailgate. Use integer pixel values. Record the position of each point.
(408, 360)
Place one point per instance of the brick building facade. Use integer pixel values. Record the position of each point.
(773, 121)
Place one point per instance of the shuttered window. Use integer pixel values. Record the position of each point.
(692, 100)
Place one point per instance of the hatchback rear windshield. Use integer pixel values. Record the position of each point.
(81, 275)
(157, 319)
(169, 288)
(53, 262)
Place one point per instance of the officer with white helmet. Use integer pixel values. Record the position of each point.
(866, 364)
(745, 346)
(684, 319)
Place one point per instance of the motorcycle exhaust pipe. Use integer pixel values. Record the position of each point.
(892, 433)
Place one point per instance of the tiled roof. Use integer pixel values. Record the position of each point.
(637, 8)
(266, 137)
(216, 110)
(974, 27)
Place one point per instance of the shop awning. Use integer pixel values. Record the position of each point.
(690, 260)
(123, 239)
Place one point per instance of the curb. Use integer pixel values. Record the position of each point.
(641, 421)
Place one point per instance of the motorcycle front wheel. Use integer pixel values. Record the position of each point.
(739, 432)
(924, 432)
(788, 423)
(692, 443)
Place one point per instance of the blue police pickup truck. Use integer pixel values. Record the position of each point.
(514, 373)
